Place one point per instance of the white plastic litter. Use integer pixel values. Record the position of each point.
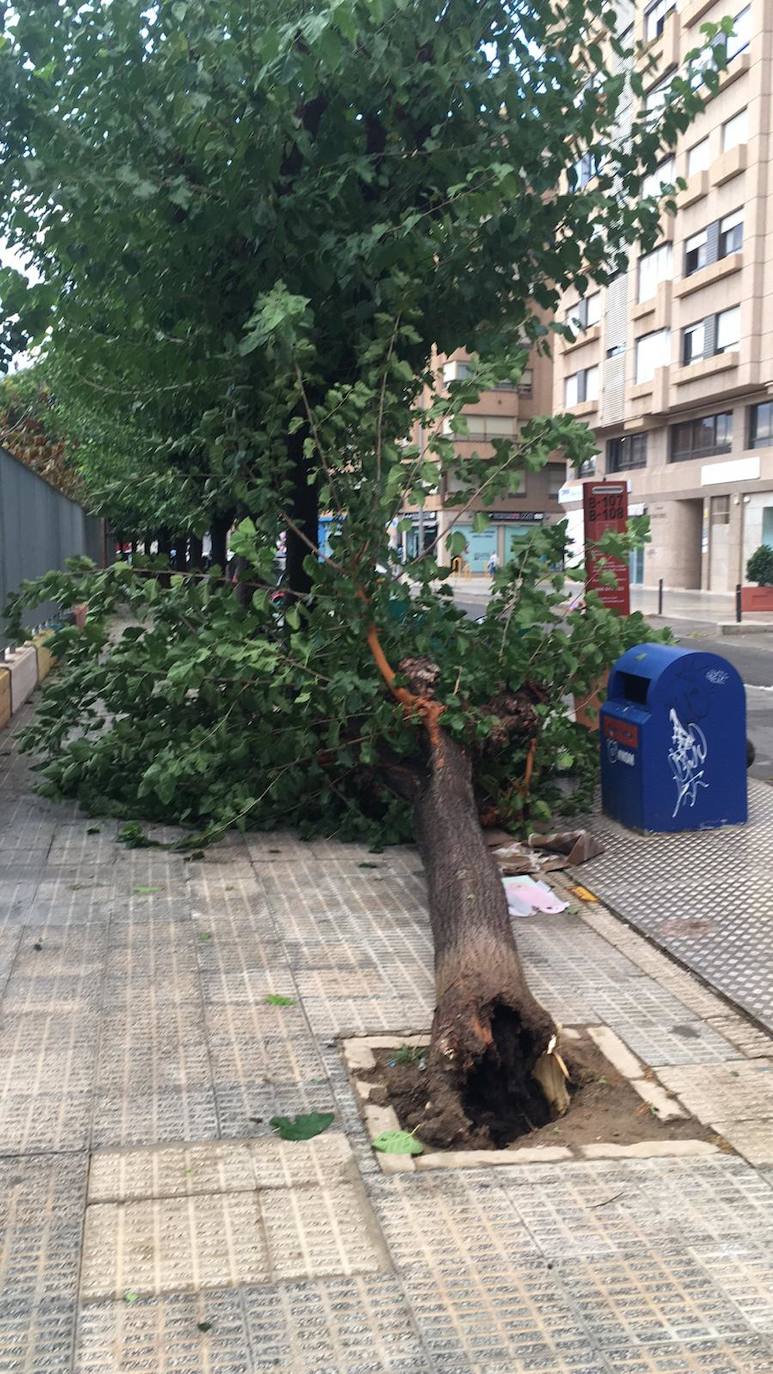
(526, 895)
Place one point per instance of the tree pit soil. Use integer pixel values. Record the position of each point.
(604, 1106)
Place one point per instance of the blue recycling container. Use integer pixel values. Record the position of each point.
(673, 741)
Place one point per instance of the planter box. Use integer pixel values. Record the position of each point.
(757, 599)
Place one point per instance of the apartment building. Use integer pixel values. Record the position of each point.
(672, 364)
(534, 498)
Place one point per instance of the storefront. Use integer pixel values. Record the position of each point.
(503, 538)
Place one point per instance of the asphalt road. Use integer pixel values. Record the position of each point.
(752, 655)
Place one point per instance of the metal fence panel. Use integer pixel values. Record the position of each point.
(39, 529)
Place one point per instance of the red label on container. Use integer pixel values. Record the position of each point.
(605, 507)
(623, 731)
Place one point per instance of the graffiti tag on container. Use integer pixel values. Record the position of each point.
(686, 758)
(717, 676)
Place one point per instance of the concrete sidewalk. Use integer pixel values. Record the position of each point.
(154, 1224)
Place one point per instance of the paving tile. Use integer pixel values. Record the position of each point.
(156, 1044)
(359, 1325)
(41, 1207)
(243, 986)
(743, 1271)
(46, 1052)
(367, 1016)
(685, 1042)
(649, 1296)
(754, 1043)
(752, 1139)
(734, 1355)
(171, 1171)
(144, 1114)
(326, 1159)
(162, 1335)
(16, 898)
(449, 1221)
(317, 1231)
(245, 1107)
(674, 1201)
(494, 1318)
(36, 1340)
(736, 1091)
(172, 1244)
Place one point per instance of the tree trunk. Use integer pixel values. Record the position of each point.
(304, 513)
(196, 552)
(218, 533)
(488, 1032)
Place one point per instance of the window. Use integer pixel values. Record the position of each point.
(715, 334)
(695, 253)
(652, 351)
(720, 510)
(728, 329)
(654, 268)
(656, 98)
(734, 131)
(662, 176)
(581, 386)
(585, 169)
(526, 383)
(698, 158)
(731, 234)
(629, 451)
(556, 478)
(587, 467)
(456, 372)
(693, 342)
(592, 309)
(742, 33)
(761, 425)
(586, 312)
(491, 427)
(615, 350)
(655, 17)
(702, 438)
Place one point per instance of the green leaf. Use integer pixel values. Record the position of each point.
(302, 1127)
(146, 891)
(276, 999)
(130, 1296)
(456, 543)
(398, 1143)
(293, 617)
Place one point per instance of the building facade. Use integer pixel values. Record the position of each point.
(672, 364)
(534, 500)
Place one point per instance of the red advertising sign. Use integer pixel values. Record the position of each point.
(605, 507)
(622, 731)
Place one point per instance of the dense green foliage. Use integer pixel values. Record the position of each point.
(760, 566)
(224, 713)
(251, 223)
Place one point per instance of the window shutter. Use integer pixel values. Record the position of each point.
(582, 384)
(712, 244)
(709, 334)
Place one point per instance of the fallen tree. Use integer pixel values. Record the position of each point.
(248, 259)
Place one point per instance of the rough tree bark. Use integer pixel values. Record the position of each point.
(489, 1032)
(304, 512)
(491, 1074)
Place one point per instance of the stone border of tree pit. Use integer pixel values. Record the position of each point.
(359, 1057)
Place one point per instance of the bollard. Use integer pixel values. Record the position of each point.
(660, 596)
(738, 603)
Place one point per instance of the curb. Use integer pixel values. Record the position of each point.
(21, 672)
